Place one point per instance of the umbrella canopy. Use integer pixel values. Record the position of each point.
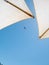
(12, 11)
(42, 15)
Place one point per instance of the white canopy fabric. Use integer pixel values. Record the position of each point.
(46, 35)
(10, 15)
(42, 15)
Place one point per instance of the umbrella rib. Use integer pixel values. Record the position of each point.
(43, 33)
(19, 8)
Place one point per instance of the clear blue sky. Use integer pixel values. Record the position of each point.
(19, 46)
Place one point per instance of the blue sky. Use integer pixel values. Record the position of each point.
(19, 46)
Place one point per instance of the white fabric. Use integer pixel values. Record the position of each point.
(42, 14)
(10, 15)
(46, 35)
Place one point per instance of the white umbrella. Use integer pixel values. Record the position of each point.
(42, 15)
(12, 11)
